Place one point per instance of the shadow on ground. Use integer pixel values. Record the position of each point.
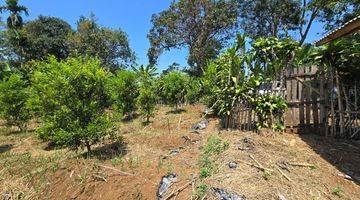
(343, 154)
(178, 111)
(108, 151)
(6, 147)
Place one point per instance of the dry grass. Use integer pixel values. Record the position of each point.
(30, 171)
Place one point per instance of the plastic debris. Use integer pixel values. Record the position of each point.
(200, 125)
(226, 195)
(165, 183)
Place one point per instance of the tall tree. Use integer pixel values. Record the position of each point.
(14, 21)
(263, 18)
(282, 18)
(110, 46)
(201, 26)
(46, 36)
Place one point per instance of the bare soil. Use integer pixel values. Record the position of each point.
(132, 169)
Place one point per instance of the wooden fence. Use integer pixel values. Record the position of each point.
(317, 103)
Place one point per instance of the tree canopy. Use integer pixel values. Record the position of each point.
(201, 26)
(110, 46)
(46, 36)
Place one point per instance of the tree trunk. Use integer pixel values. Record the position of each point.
(88, 146)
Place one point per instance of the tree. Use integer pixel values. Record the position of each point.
(173, 88)
(110, 46)
(70, 97)
(14, 95)
(124, 90)
(12, 36)
(146, 101)
(334, 13)
(262, 18)
(278, 18)
(14, 21)
(173, 67)
(201, 26)
(45, 36)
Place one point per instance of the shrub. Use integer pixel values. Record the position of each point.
(123, 90)
(146, 101)
(14, 94)
(173, 88)
(71, 99)
(194, 91)
(269, 110)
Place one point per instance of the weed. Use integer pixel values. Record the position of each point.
(170, 168)
(205, 172)
(266, 175)
(159, 164)
(82, 177)
(117, 160)
(214, 147)
(337, 191)
(201, 191)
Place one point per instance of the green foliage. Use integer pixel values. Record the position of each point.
(14, 94)
(194, 91)
(201, 190)
(70, 97)
(146, 101)
(173, 88)
(264, 18)
(342, 55)
(45, 36)
(224, 79)
(214, 147)
(203, 27)
(337, 191)
(273, 55)
(145, 73)
(124, 90)
(110, 46)
(269, 110)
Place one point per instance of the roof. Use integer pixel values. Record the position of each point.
(347, 28)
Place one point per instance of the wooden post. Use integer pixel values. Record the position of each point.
(356, 97)
(293, 98)
(340, 104)
(332, 131)
(323, 101)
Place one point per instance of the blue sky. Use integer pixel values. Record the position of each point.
(132, 16)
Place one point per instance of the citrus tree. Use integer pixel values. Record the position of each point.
(124, 90)
(173, 88)
(147, 99)
(70, 97)
(14, 95)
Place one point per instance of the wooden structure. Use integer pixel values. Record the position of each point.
(318, 102)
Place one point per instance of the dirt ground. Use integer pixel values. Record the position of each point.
(133, 168)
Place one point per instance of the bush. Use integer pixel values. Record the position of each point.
(194, 91)
(269, 110)
(146, 101)
(14, 95)
(71, 99)
(123, 90)
(173, 88)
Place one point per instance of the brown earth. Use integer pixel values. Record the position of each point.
(29, 171)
